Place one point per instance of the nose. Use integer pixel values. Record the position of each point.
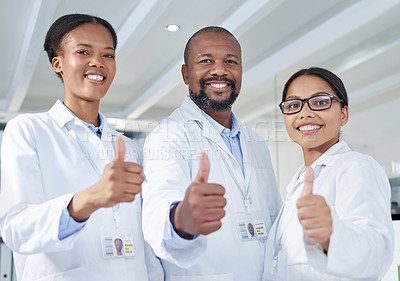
(306, 111)
(96, 61)
(218, 69)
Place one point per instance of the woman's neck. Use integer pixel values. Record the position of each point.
(86, 111)
(310, 155)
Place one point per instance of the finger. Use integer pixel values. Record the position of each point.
(208, 189)
(130, 189)
(312, 209)
(120, 149)
(212, 201)
(314, 223)
(132, 167)
(318, 235)
(209, 227)
(308, 181)
(204, 168)
(213, 214)
(133, 178)
(127, 197)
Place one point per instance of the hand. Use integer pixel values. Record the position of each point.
(201, 210)
(120, 182)
(314, 214)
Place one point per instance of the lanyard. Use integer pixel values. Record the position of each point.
(115, 209)
(245, 193)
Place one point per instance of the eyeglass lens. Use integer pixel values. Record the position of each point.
(315, 103)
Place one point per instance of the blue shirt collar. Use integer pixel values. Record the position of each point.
(221, 129)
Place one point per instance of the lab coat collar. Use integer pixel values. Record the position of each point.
(192, 113)
(62, 116)
(325, 159)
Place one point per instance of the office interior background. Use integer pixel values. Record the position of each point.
(359, 40)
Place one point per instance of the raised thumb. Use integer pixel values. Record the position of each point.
(120, 149)
(308, 181)
(204, 168)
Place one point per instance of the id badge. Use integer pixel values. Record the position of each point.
(250, 227)
(117, 242)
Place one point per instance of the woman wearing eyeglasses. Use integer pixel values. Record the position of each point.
(335, 223)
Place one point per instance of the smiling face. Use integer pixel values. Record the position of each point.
(86, 63)
(314, 131)
(213, 71)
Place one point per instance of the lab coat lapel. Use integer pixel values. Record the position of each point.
(101, 151)
(210, 133)
(108, 139)
(191, 112)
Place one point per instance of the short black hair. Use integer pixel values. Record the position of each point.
(212, 29)
(65, 24)
(329, 77)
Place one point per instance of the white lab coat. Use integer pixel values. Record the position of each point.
(361, 246)
(171, 164)
(42, 167)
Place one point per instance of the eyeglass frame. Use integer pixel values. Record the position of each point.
(307, 100)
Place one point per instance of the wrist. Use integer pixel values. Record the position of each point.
(181, 233)
(81, 206)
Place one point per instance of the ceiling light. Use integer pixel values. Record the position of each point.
(172, 27)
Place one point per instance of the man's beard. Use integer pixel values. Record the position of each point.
(202, 99)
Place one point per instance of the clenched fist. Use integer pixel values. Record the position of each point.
(120, 182)
(314, 214)
(201, 210)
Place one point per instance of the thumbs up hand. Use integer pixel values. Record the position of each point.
(201, 210)
(314, 214)
(120, 182)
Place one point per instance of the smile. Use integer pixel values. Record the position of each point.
(308, 128)
(218, 85)
(95, 77)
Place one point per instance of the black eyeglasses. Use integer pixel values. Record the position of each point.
(316, 103)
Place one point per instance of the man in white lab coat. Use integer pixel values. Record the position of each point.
(207, 175)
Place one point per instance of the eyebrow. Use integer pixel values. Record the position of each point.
(210, 55)
(90, 46)
(313, 95)
(232, 55)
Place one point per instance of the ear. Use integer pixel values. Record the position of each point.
(56, 65)
(344, 115)
(185, 74)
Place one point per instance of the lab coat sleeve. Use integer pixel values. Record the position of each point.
(154, 269)
(362, 242)
(29, 221)
(168, 174)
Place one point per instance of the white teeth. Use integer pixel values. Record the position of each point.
(218, 85)
(309, 127)
(95, 77)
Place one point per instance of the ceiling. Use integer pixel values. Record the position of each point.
(358, 40)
